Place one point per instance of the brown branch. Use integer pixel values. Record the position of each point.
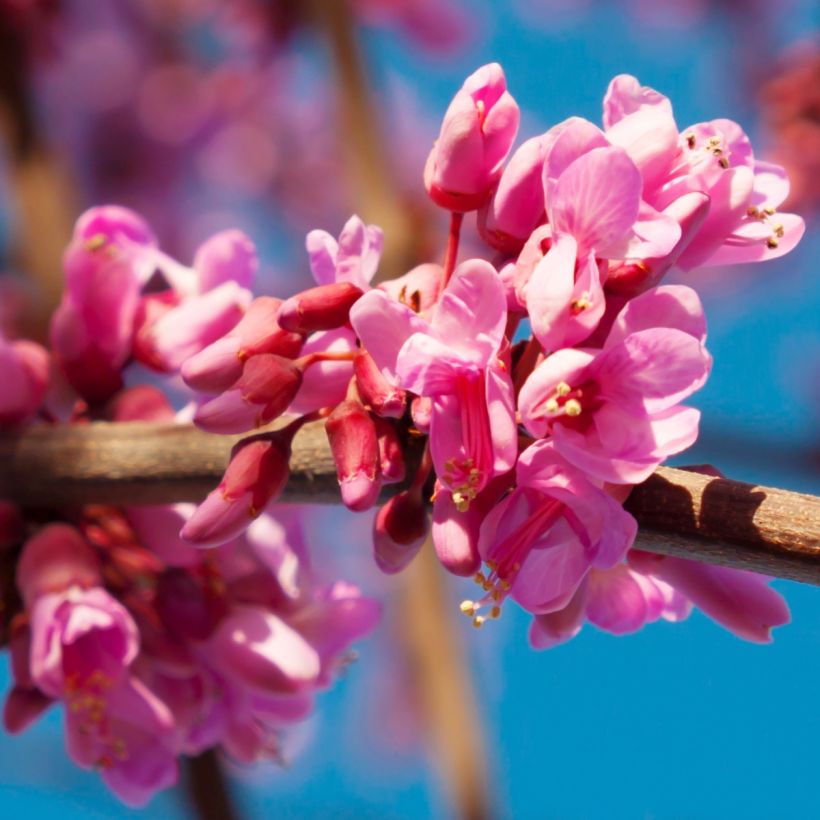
(680, 513)
(207, 787)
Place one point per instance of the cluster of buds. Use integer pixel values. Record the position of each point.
(539, 383)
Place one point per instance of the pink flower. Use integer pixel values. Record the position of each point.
(613, 413)
(595, 211)
(619, 600)
(219, 365)
(204, 303)
(541, 541)
(261, 394)
(476, 135)
(714, 159)
(455, 361)
(25, 369)
(516, 208)
(106, 266)
(354, 258)
(741, 601)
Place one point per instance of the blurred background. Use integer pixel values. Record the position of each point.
(278, 116)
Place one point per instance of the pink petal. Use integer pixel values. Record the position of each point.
(384, 325)
(741, 601)
(554, 628)
(597, 200)
(672, 306)
(471, 315)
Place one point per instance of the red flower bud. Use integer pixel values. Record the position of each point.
(384, 399)
(355, 447)
(262, 393)
(323, 308)
(219, 365)
(399, 531)
(391, 454)
(256, 476)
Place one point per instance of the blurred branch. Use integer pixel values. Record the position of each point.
(680, 513)
(371, 182)
(442, 679)
(207, 787)
(42, 201)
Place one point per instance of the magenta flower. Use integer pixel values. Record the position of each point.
(476, 135)
(595, 212)
(25, 369)
(741, 601)
(541, 541)
(619, 600)
(614, 412)
(353, 258)
(454, 360)
(516, 208)
(203, 304)
(714, 159)
(106, 266)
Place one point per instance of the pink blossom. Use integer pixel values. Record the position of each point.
(219, 365)
(741, 601)
(541, 541)
(476, 135)
(204, 302)
(353, 258)
(619, 600)
(106, 266)
(25, 369)
(256, 475)
(454, 360)
(613, 413)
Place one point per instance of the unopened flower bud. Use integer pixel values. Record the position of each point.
(476, 135)
(262, 393)
(256, 476)
(219, 365)
(322, 308)
(391, 454)
(383, 398)
(399, 531)
(516, 208)
(355, 447)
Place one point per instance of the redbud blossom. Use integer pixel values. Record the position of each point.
(218, 366)
(476, 135)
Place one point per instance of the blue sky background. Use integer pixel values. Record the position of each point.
(679, 721)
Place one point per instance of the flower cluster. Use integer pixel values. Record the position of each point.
(520, 395)
(532, 443)
(158, 649)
